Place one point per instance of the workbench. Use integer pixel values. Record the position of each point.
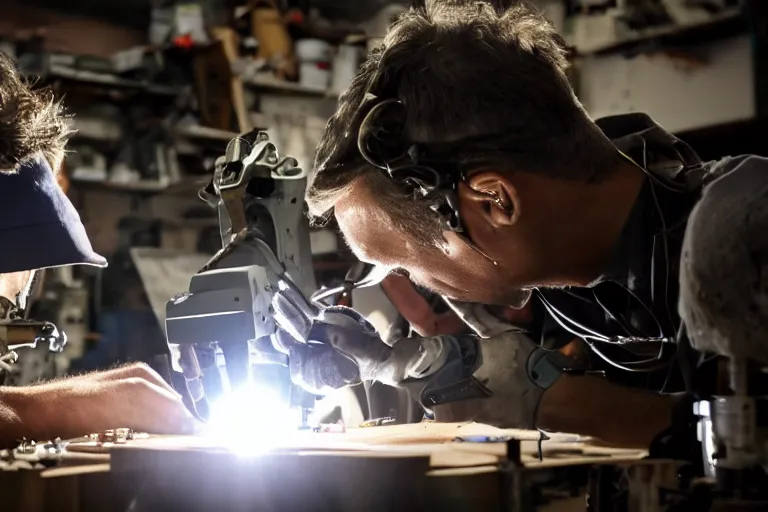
(424, 466)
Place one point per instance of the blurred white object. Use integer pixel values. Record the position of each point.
(686, 12)
(96, 128)
(87, 165)
(161, 26)
(314, 75)
(595, 31)
(312, 50)
(8, 48)
(716, 89)
(323, 241)
(554, 11)
(189, 22)
(128, 60)
(377, 27)
(345, 66)
(314, 58)
(121, 173)
(165, 273)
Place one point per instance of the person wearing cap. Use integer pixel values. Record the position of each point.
(39, 229)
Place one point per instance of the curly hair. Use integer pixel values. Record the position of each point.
(484, 84)
(32, 122)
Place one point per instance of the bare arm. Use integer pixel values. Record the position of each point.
(132, 396)
(10, 418)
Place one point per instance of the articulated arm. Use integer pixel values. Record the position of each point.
(227, 318)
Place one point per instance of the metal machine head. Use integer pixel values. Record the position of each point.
(223, 326)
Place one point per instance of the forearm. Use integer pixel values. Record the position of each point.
(596, 407)
(37, 412)
(13, 411)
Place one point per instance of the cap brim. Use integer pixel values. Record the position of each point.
(40, 228)
(48, 245)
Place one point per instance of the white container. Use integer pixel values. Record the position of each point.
(315, 75)
(313, 50)
(378, 25)
(345, 66)
(323, 241)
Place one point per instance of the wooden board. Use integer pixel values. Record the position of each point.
(418, 466)
(438, 441)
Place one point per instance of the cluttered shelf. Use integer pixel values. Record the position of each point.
(48, 68)
(723, 24)
(92, 77)
(272, 84)
(188, 185)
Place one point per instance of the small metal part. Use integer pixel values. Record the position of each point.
(47, 453)
(331, 428)
(377, 422)
(23, 333)
(114, 436)
(539, 446)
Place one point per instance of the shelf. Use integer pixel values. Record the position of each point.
(187, 187)
(283, 86)
(92, 77)
(194, 131)
(726, 23)
(143, 186)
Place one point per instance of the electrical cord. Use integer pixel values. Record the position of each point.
(591, 339)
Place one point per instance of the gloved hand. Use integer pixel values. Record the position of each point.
(446, 374)
(344, 349)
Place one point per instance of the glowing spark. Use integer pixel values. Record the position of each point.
(252, 420)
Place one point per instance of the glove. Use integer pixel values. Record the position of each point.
(344, 349)
(515, 368)
(445, 374)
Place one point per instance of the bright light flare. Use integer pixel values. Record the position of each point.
(252, 420)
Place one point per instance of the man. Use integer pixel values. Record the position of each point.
(39, 228)
(461, 157)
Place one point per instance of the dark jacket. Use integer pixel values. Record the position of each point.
(635, 300)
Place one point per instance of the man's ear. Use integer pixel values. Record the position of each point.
(495, 195)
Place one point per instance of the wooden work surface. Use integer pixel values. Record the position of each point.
(403, 467)
(438, 441)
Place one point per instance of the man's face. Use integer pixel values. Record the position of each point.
(453, 267)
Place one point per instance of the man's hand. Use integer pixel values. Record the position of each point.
(348, 350)
(132, 396)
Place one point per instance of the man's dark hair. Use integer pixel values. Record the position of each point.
(482, 85)
(31, 122)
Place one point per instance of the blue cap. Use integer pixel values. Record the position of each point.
(39, 226)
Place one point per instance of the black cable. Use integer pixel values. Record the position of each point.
(591, 338)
